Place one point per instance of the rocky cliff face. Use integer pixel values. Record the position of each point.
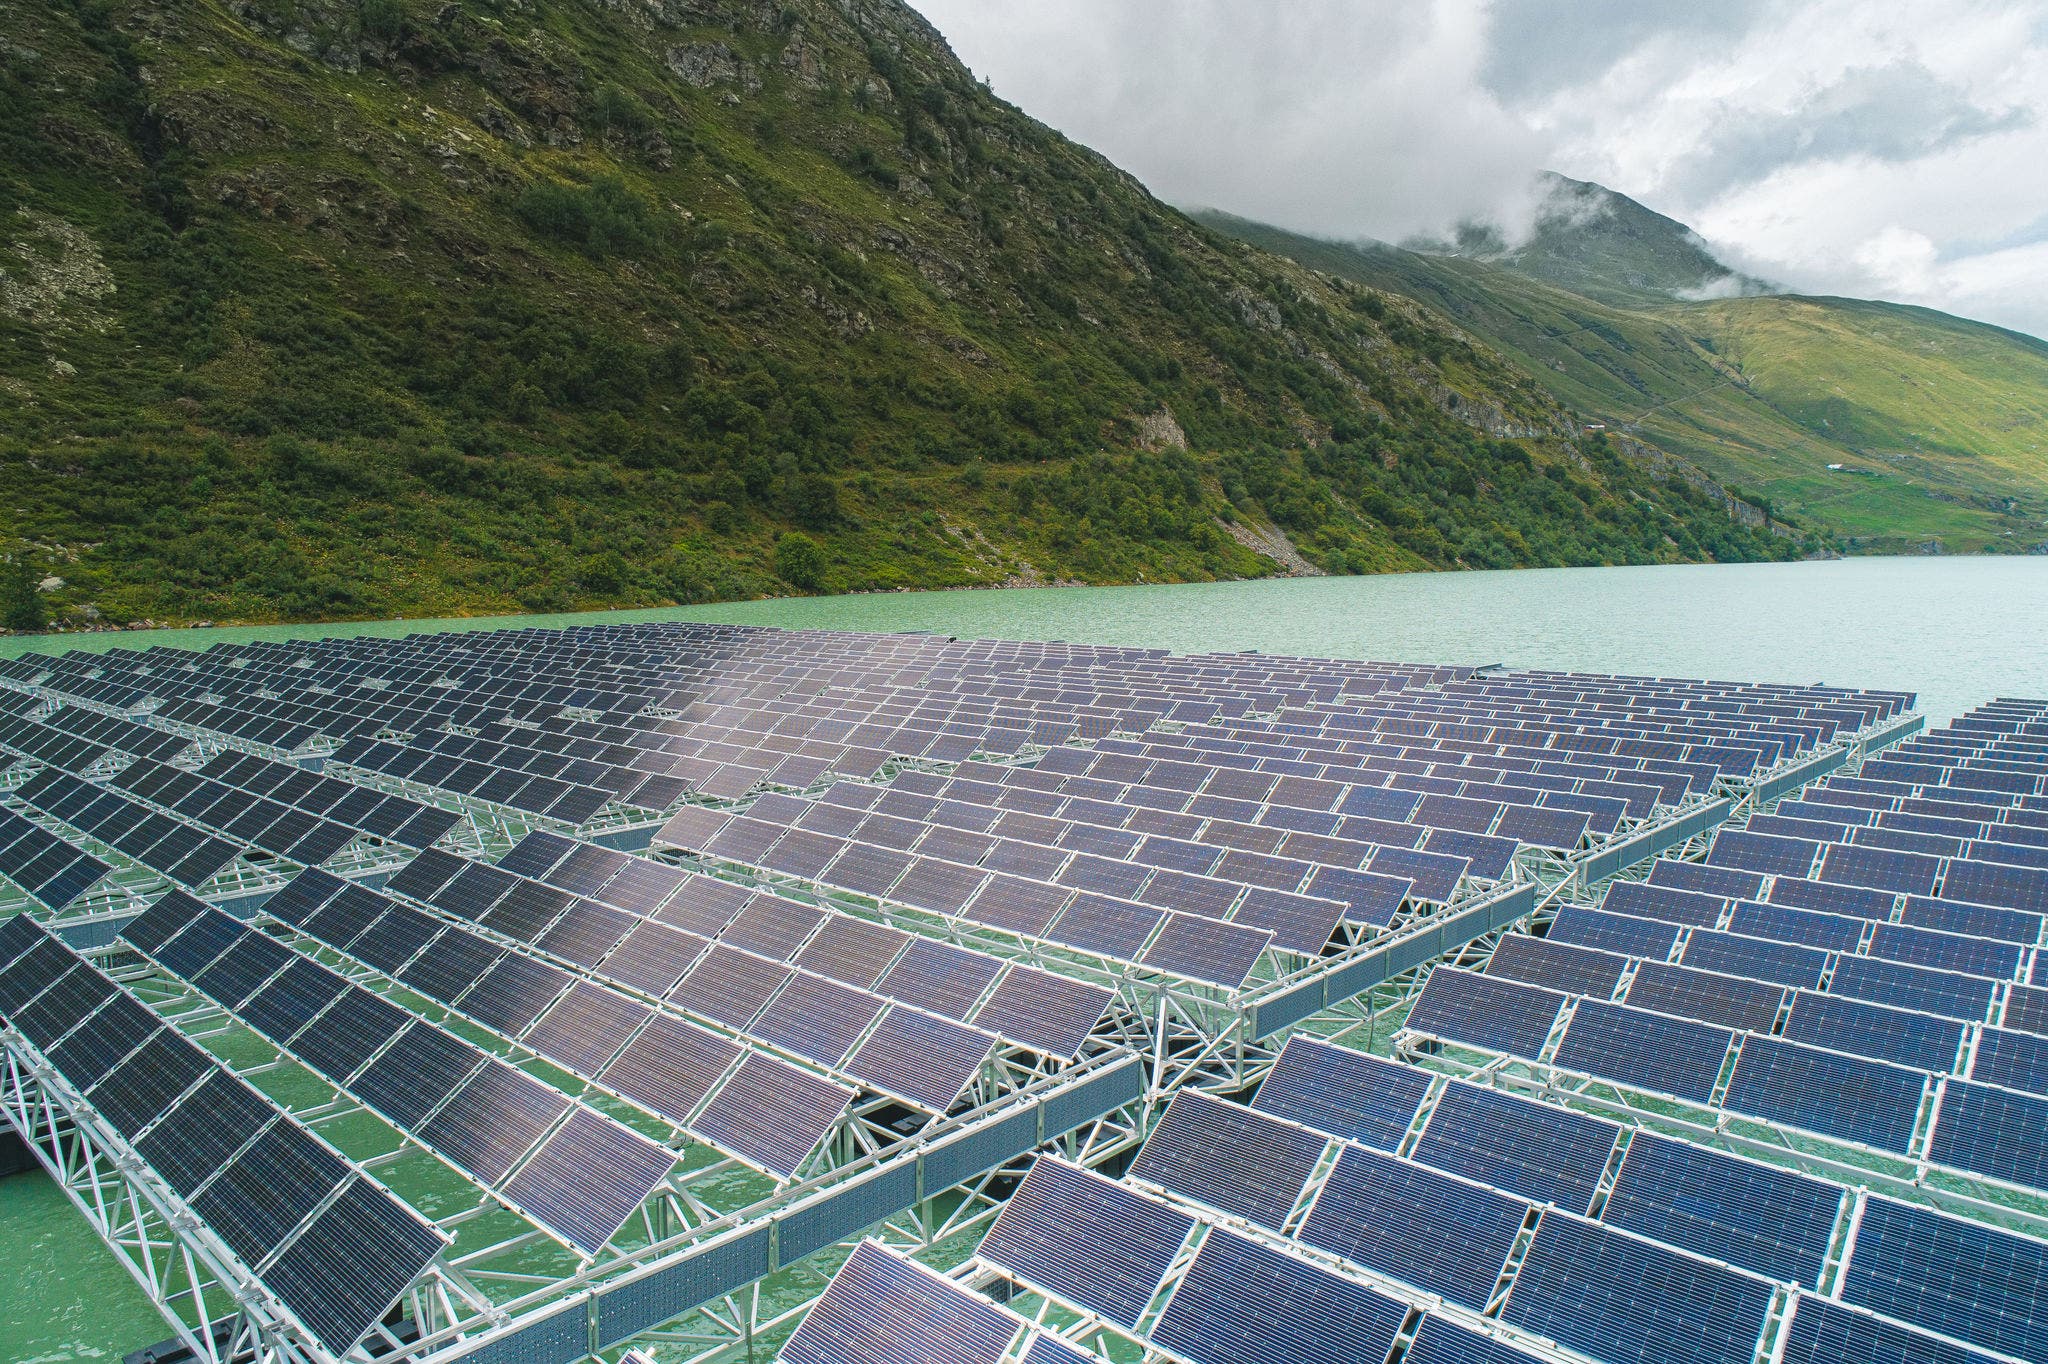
(342, 307)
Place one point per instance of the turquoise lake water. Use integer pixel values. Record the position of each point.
(1957, 631)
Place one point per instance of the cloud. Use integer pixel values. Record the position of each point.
(1838, 146)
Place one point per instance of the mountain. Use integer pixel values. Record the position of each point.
(329, 308)
(1590, 241)
(1891, 428)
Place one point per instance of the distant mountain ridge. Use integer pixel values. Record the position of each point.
(1895, 428)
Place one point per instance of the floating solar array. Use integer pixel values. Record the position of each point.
(1810, 978)
(843, 818)
(322, 1237)
(1357, 1203)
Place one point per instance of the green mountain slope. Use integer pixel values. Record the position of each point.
(363, 307)
(1940, 424)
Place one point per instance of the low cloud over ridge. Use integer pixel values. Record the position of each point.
(1876, 151)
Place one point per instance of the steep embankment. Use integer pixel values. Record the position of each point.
(360, 307)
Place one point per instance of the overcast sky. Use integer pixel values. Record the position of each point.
(1877, 148)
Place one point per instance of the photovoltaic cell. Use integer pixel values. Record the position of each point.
(1537, 1151)
(1824, 1332)
(1344, 1092)
(1582, 1286)
(1842, 1096)
(138, 1090)
(1559, 966)
(1960, 1278)
(1480, 1011)
(1230, 1158)
(1043, 1011)
(1605, 932)
(1085, 1239)
(1240, 1303)
(350, 1032)
(925, 1060)
(494, 1119)
(1421, 1227)
(268, 1190)
(588, 1178)
(1921, 1041)
(1726, 1001)
(772, 1114)
(192, 1141)
(1666, 1055)
(341, 1275)
(1906, 986)
(1757, 1217)
(419, 1070)
(671, 1066)
(883, 1310)
(1438, 1341)
(1994, 1132)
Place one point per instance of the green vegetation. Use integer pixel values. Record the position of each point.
(346, 308)
(21, 600)
(1940, 424)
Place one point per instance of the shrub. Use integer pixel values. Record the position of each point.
(799, 562)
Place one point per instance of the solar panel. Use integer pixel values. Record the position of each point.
(1994, 1132)
(925, 1060)
(1824, 1332)
(671, 1066)
(588, 1178)
(772, 1114)
(350, 1032)
(586, 1029)
(1043, 1011)
(1757, 1217)
(1606, 932)
(1485, 1012)
(493, 1119)
(1230, 1158)
(1346, 1093)
(344, 1271)
(1918, 1040)
(1424, 1228)
(264, 1193)
(1582, 1286)
(509, 996)
(1906, 986)
(1085, 1239)
(1537, 1151)
(1723, 1000)
(138, 1090)
(1204, 950)
(103, 1041)
(1962, 1279)
(1669, 903)
(1666, 1055)
(416, 1073)
(1842, 1096)
(1241, 1303)
(1731, 954)
(1560, 966)
(1439, 1342)
(196, 1138)
(883, 1310)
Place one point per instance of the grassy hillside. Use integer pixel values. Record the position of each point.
(1938, 421)
(364, 307)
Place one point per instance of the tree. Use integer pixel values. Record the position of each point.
(799, 562)
(21, 599)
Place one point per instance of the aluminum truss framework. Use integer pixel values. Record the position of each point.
(709, 1235)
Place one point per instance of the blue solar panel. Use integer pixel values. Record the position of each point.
(883, 1310)
(1993, 1131)
(1824, 1332)
(1439, 1342)
(1982, 921)
(1607, 932)
(1960, 1278)
(1499, 1015)
(1782, 923)
(1833, 897)
(1754, 1216)
(1766, 853)
(1993, 883)
(1583, 1286)
(1560, 966)
(1922, 1041)
(1842, 1096)
(1906, 986)
(1666, 1055)
(1230, 1158)
(1668, 903)
(1241, 1303)
(1731, 882)
(1726, 1001)
(1946, 951)
(2016, 1060)
(1085, 1239)
(1734, 955)
(1881, 869)
(1347, 1093)
(1540, 1152)
(1424, 1228)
